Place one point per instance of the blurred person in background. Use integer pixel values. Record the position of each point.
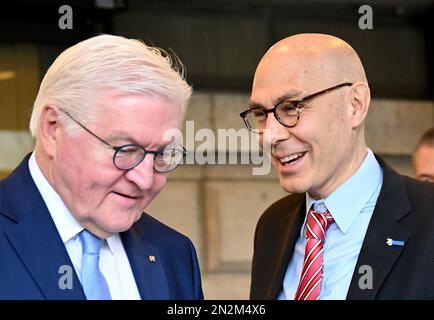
(423, 157)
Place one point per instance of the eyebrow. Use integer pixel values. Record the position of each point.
(123, 135)
(288, 95)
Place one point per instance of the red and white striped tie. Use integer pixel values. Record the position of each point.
(311, 276)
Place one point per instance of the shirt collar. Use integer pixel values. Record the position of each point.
(348, 200)
(67, 226)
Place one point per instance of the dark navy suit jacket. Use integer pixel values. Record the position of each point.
(404, 211)
(32, 252)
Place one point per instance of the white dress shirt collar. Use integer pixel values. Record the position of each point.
(67, 226)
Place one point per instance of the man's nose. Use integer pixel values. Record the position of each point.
(143, 174)
(274, 131)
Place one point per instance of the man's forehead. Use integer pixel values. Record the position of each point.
(272, 95)
(425, 152)
(287, 68)
(287, 80)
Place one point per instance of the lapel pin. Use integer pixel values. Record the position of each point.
(151, 258)
(390, 242)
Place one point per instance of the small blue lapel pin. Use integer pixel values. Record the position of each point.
(390, 242)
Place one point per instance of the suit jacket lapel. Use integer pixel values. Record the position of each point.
(146, 265)
(45, 258)
(384, 224)
(292, 226)
(35, 237)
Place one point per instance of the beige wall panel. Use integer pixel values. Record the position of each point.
(226, 286)
(14, 145)
(232, 211)
(227, 109)
(198, 116)
(28, 82)
(394, 126)
(9, 110)
(239, 172)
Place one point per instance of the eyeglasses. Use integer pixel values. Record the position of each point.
(127, 157)
(286, 112)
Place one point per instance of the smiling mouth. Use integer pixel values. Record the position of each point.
(125, 195)
(292, 158)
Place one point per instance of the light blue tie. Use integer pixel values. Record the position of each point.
(94, 285)
(320, 207)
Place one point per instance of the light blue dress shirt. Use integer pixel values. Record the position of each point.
(351, 206)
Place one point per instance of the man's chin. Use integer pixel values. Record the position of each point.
(121, 225)
(292, 185)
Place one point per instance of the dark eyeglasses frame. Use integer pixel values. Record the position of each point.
(119, 148)
(294, 103)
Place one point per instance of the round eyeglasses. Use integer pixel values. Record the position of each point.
(286, 112)
(129, 156)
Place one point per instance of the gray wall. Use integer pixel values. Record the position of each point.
(221, 42)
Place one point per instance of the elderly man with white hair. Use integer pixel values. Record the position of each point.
(72, 224)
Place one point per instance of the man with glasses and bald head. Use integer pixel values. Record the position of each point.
(72, 224)
(351, 228)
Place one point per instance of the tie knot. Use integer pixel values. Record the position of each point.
(318, 223)
(319, 207)
(91, 243)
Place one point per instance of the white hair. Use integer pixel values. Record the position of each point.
(108, 62)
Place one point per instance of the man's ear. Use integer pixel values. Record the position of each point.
(48, 129)
(360, 98)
